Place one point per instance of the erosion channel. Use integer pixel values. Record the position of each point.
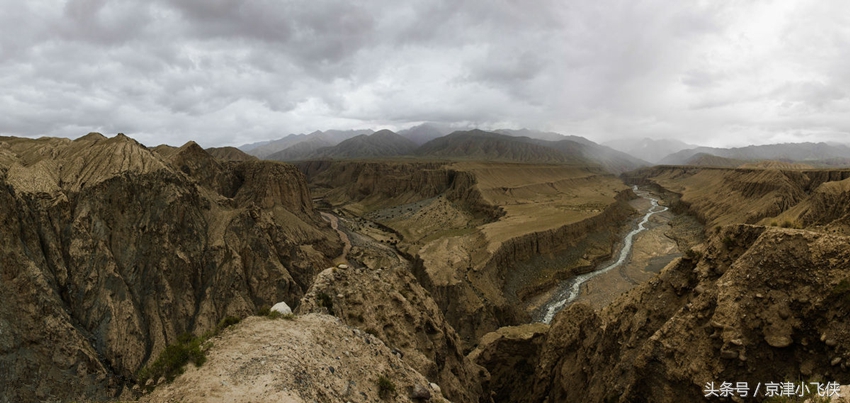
(646, 249)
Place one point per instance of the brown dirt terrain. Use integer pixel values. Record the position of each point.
(720, 196)
(651, 251)
(768, 306)
(380, 296)
(311, 358)
(110, 250)
(465, 224)
(753, 304)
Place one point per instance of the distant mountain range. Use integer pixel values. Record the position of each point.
(425, 132)
(332, 137)
(432, 140)
(525, 146)
(382, 144)
(648, 149)
(810, 153)
(478, 144)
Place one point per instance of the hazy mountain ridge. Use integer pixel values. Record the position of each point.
(478, 144)
(815, 153)
(471, 145)
(541, 135)
(648, 149)
(425, 132)
(265, 148)
(612, 160)
(380, 144)
(300, 150)
(529, 146)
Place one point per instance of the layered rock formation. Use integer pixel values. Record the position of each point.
(467, 225)
(511, 354)
(753, 295)
(111, 250)
(383, 298)
(720, 196)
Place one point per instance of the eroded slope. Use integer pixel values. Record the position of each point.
(305, 359)
(110, 251)
(465, 225)
(720, 196)
(757, 304)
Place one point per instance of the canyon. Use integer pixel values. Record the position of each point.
(431, 271)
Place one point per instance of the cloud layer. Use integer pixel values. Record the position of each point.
(227, 72)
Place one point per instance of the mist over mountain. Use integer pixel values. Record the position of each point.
(478, 144)
(501, 145)
(648, 149)
(384, 143)
(612, 160)
(301, 149)
(541, 135)
(615, 156)
(817, 153)
(332, 137)
(425, 132)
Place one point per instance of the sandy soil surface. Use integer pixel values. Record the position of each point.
(651, 251)
(661, 243)
(334, 221)
(313, 358)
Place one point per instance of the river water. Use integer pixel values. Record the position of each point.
(569, 290)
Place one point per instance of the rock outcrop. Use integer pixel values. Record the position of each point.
(310, 358)
(752, 295)
(110, 251)
(381, 297)
(510, 354)
(720, 196)
(466, 226)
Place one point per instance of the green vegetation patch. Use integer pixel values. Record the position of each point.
(326, 301)
(278, 315)
(842, 291)
(386, 387)
(171, 362)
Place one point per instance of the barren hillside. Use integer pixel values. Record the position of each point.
(763, 307)
(110, 251)
(303, 359)
(466, 224)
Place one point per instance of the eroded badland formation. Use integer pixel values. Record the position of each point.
(417, 274)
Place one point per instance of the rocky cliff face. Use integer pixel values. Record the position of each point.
(376, 184)
(466, 226)
(752, 296)
(381, 297)
(510, 354)
(480, 299)
(309, 358)
(110, 251)
(719, 196)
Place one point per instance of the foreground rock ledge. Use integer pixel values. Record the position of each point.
(311, 358)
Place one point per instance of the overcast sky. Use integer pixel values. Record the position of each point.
(719, 73)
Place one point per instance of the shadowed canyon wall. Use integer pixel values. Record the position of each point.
(111, 250)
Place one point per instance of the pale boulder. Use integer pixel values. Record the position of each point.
(282, 308)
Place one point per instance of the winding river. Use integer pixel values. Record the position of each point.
(568, 291)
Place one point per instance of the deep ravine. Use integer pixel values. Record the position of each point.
(569, 290)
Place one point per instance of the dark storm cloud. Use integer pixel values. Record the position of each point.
(230, 72)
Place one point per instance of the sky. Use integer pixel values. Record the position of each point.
(220, 72)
